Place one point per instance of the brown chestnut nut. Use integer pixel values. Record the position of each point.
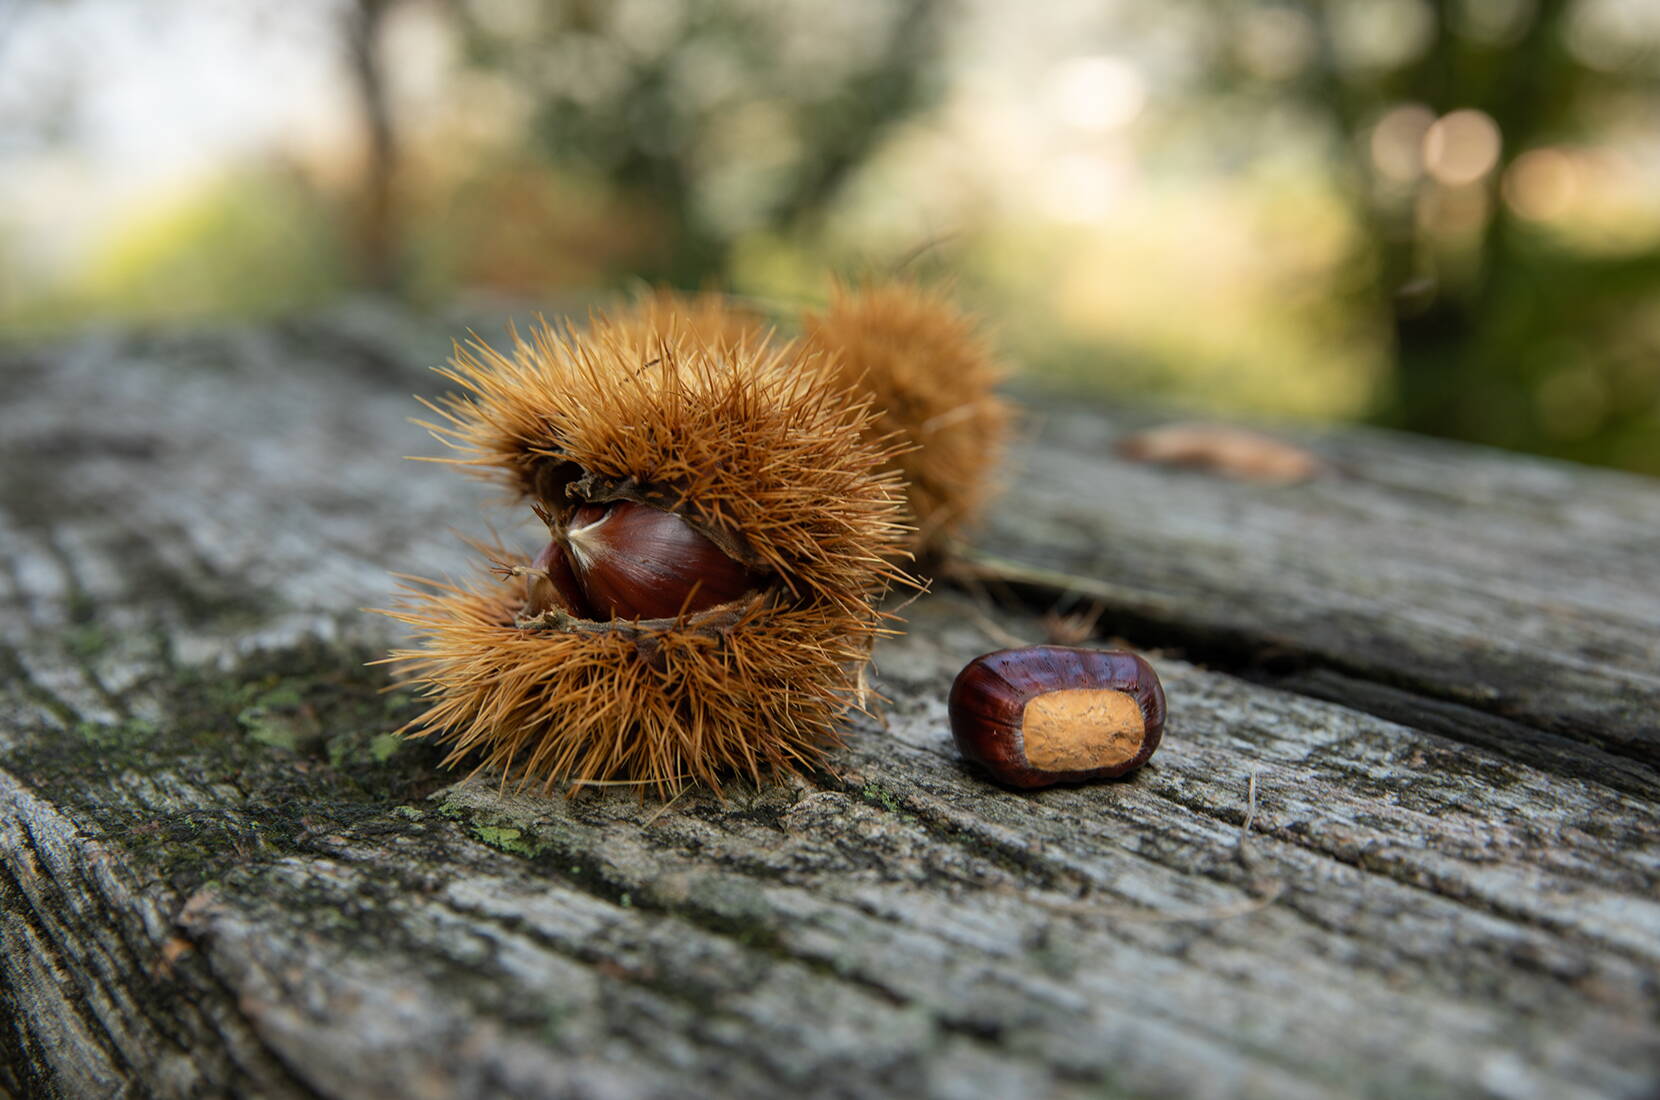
(551, 583)
(638, 562)
(1052, 714)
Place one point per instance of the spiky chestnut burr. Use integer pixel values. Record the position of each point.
(753, 457)
(932, 380)
(706, 318)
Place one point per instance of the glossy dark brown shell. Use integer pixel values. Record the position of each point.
(988, 701)
(652, 564)
(555, 586)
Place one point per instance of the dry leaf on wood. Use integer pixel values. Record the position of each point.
(1221, 449)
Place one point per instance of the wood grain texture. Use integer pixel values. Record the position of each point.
(220, 874)
(1513, 585)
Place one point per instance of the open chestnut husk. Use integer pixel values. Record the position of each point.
(1053, 714)
(725, 522)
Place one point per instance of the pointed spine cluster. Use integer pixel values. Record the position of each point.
(763, 449)
(930, 376)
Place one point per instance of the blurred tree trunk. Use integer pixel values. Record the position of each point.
(1445, 378)
(1453, 370)
(376, 225)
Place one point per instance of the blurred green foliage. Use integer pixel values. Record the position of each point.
(721, 118)
(210, 251)
(1397, 210)
(1503, 331)
(256, 242)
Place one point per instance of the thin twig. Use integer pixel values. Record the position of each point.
(627, 782)
(664, 808)
(979, 600)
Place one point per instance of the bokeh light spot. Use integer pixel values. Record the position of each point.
(1380, 34)
(1494, 23)
(1462, 147)
(1542, 184)
(1397, 144)
(1276, 43)
(1096, 94)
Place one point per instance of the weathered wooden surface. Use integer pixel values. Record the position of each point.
(220, 874)
(1515, 586)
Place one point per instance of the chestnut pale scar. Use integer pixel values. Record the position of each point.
(1078, 729)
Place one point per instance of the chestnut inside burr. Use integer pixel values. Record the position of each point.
(626, 560)
(551, 584)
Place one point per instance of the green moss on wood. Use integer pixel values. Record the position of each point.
(508, 839)
(272, 758)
